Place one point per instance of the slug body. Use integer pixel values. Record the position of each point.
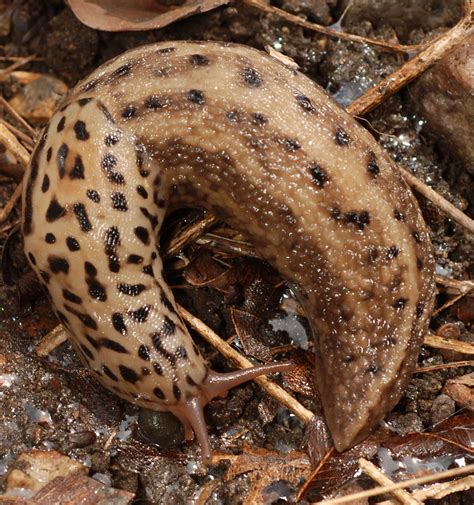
(232, 130)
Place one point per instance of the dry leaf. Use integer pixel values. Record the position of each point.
(265, 468)
(461, 390)
(135, 15)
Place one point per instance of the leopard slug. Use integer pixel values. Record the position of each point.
(232, 130)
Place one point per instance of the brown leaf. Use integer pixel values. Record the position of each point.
(264, 468)
(302, 378)
(203, 270)
(453, 436)
(135, 15)
(461, 390)
(249, 330)
(336, 468)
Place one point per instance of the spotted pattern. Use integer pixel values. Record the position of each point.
(234, 131)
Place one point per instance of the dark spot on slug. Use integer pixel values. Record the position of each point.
(199, 60)
(90, 85)
(372, 369)
(128, 374)
(45, 183)
(181, 353)
(153, 219)
(82, 217)
(398, 215)
(118, 323)
(50, 238)
(291, 145)
(195, 96)
(190, 380)
(109, 373)
(165, 301)
(112, 241)
(159, 393)
(251, 77)
(45, 276)
(400, 304)
(129, 111)
(55, 211)
(144, 352)
(142, 192)
(32, 258)
(97, 290)
(123, 70)
(72, 244)
(93, 195)
(70, 296)
(319, 175)
(158, 369)
(87, 351)
(417, 237)
(130, 289)
(145, 371)
(166, 50)
(341, 137)
(57, 264)
(108, 163)
(49, 154)
(259, 119)
(135, 259)
(153, 102)
(113, 345)
(148, 270)
(80, 130)
(61, 157)
(233, 116)
(372, 166)
(119, 201)
(359, 219)
(77, 171)
(372, 254)
(419, 263)
(305, 103)
(142, 234)
(90, 269)
(86, 319)
(105, 112)
(420, 307)
(112, 138)
(84, 101)
(168, 328)
(61, 124)
(140, 315)
(176, 392)
(392, 252)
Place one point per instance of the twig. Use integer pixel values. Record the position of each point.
(443, 366)
(454, 286)
(189, 234)
(378, 476)
(19, 134)
(18, 117)
(23, 61)
(51, 340)
(5, 212)
(414, 67)
(11, 143)
(226, 350)
(448, 343)
(438, 200)
(399, 485)
(380, 44)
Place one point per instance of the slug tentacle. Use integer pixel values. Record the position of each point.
(190, 412)
(229, 129)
